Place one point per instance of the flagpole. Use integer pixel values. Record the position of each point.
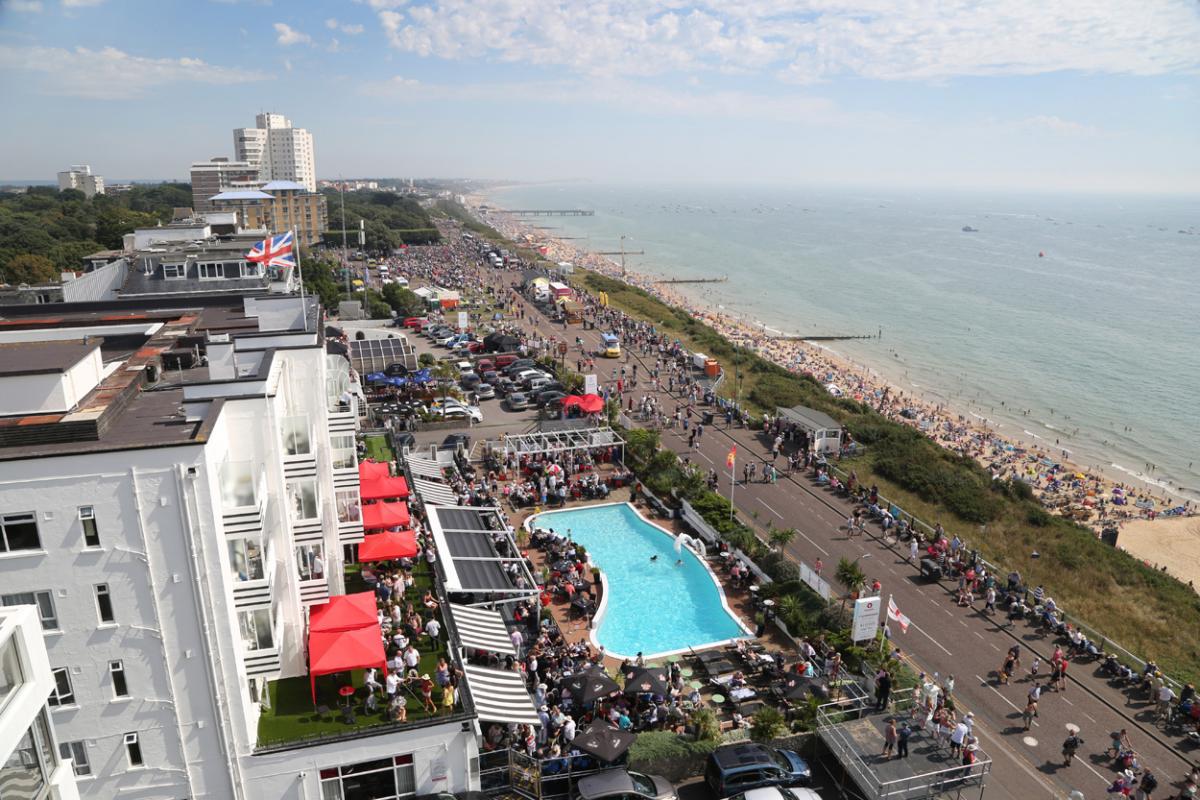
(300, 276)
(732, 483)
(887, 614)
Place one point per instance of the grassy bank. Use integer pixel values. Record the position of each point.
(1115, 594)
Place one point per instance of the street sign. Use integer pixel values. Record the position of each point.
(590, 385)
(464, 321)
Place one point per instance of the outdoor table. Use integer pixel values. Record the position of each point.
(696, 684)
(718, 698)
(347, 692)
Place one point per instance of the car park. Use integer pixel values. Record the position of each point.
(623, 784)
(485, 391)
(505, 361)
(444, 339)
(547, 397)
(484, 365)
(470, 381)
(521, 376)
(536, 383)
(453, 409)
(464, 367)
(518, 365)
(742, 766)
(488, 375)
(517, 401)
(504, 386)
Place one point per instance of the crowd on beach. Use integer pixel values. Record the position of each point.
(1086, 495)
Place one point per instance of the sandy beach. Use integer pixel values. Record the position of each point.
(1173, 543)
(1089, 496)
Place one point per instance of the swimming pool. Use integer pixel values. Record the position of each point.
(652, 607)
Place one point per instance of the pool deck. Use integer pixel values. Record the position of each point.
(576, 630)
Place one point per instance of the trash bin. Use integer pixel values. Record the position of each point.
(708, 418)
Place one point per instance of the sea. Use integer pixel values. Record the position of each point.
(1071, 322)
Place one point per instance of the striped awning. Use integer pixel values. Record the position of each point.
(426, 468)
(481, 629)
(499, 695)
(434, 493)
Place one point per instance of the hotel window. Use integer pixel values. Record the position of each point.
(310, 561)
(174, 272)
(348, 507)
(256, 627)
(116, 671)
(133, 750)
(19, 532)
(63, 694)
(24, 771)
(302, 495)
(87, 519)
(384, 779)
(212, 272)
(104, 604)
(10, 669)
(77, 752)
(251, 269)
(246, 559)
(43, 600)
(296, 436)
(343, 451)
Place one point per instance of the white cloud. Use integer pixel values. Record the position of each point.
(379, 5)
(30, 6)
(289, 36)
(1058, 125)
(80, 3)
(111, 74)
(807, 41)
(344, 27)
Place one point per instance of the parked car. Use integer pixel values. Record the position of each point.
(517, 401)
(623, 784)
(485, 391)
(484, 365)
(518, 365)
(776, 793)
(748, 765)
(434, 330)
(536, 383)
(452, 409)
(548, 397)
(453, 440)
(444, 339)
(521, 376)
(470, 381)
(416, 323)
(488, 375)
(505, 361)
(473, 346)
(464, 367)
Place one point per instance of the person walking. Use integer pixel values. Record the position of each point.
(1070, 746)
(1029, 713)
(902, 741)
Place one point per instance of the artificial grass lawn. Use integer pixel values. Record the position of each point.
(378, 448)
(292, 716)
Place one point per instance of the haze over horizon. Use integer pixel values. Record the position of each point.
(1078, 97)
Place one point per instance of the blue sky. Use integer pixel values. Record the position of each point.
(1091, 95)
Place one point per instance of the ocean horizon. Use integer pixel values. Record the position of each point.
(1067, 321)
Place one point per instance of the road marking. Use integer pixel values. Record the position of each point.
(773, 511)
(706, 458)
(977, 633)
(1089, 716)
(997, 649)
(930, 638)
(1068, 702)
(1011, 704)
(1093, 770)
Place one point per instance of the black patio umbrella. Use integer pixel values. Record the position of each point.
(795, 687)
(590, 685)
(646, 680)
(604, 742)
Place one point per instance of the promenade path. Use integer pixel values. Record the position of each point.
(943, 637)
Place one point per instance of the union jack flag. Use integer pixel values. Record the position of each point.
(274, 252)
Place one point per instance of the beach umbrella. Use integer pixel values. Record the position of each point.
(795, 687)
(603, 741)
(590, 685)
(646, 680)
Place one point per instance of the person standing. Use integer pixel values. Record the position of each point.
(1030, 712)
(883, 689)
(890, 735)
(902, 741)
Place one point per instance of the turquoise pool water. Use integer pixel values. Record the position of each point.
(654, 607)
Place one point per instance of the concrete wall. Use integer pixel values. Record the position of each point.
(97, 285)
(50, 392)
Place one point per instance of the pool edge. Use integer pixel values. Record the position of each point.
(598, 617)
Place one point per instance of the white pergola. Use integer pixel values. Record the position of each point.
(561, 441)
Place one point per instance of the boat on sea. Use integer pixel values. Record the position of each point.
(969, 229)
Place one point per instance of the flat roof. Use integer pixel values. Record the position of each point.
(808, 417)
(41, 358)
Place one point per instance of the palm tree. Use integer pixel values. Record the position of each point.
(445, 372)
(850, 575)
(782, 537)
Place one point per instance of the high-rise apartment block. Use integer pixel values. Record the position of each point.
(220, 175)
(80, 177)
(278, 151)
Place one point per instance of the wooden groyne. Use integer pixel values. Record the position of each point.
(721, 279)
(798, 337)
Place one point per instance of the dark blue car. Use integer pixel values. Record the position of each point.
(747, 765)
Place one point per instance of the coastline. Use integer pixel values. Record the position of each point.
(957, 426)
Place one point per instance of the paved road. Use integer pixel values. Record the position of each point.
(942, 638)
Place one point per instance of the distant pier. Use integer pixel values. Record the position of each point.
(551, 212)
(721, 279)
(799, 337)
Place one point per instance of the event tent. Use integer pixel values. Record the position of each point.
(370, 470)
(377, 516)
(387, 546)
(588, 403)
(381, 488)
(343, 612)
(342, 651)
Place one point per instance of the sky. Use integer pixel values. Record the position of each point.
(1070, 95)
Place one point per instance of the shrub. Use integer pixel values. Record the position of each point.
(426, 360)
(670, 755)
(768, 725)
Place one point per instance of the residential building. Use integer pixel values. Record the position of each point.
(80, 177)
(279, 206)
(212, 265)
(34, 762)
(220, 175)
(178, 486)
(277, 150)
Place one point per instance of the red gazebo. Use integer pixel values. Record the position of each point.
(342, 651)
(588, 403)
(370, 470)
(387, 546)
(343, 612)
(382, 488)
(377, 516)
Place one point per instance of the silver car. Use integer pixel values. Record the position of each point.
(621, 784)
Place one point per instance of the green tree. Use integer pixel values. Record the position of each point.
(29, 268)
(849, 575)
(426, 360)
(375, 305)
(706, 725)
(404, 302)
(768, 724)
(445, 372)
(780, 538)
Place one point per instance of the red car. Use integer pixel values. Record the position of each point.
(484, 365)
(416, 323)
(474, 347)
(504, 361)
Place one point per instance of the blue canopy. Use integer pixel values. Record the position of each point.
(376, 377)
(421, 376)
(396, 381)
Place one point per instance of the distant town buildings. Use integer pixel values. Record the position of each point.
(277, 207)
(220, 175)
(350, 186)
(80, 177)
(278, 151)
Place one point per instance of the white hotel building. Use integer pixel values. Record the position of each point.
(178, 484)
